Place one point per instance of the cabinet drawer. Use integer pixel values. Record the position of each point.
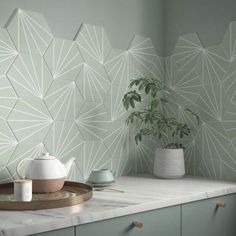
(161, 222)
(207, 218)
(60, 232)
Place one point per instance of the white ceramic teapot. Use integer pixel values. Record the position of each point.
(47, 173)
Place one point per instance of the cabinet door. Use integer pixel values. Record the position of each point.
(60, 232)
(161, 222)
(211, 217)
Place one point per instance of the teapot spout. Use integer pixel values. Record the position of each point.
(68, 165)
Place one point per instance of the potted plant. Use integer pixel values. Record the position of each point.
(152, 120)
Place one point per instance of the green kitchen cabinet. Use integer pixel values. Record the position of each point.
(59, 232)
(160, 222)
(211, 217)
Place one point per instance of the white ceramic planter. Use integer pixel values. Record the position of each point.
(169, 163)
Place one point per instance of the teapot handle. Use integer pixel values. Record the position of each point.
(18, 167)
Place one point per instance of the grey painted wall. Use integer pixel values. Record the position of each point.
(121, 18)
(209, 18)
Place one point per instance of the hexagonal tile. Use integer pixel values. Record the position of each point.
(212, 102)
(144, 59)
(92, 121)
(229, 82)
(213, 143)
(187, 50)
(117, 142)
(93, 155)
(93, 82)
(93, 43)
(63, 100)
(229, 120)
(29, 31)
(212, 65)
(7, 51)
(64, 59)
(113, 102)
(30, 76)
(24, 151)
(8, 143)
(184, 85)
(63, 139)
(118, 66)
(30, 120)
(8, 97)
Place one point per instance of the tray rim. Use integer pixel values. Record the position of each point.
(48, 204)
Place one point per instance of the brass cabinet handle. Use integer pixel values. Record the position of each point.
(220, 205)
(137, 224)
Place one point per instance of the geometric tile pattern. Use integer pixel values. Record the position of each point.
(93, 43)
(63, 59)
(29, 32)
(204, 80)
(7, 51)
(65, 97)
(30, 76)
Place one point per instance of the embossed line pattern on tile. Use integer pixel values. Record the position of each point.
(65, 97)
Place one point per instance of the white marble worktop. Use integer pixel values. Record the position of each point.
(140, 194)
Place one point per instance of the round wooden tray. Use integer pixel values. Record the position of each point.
(72, 193)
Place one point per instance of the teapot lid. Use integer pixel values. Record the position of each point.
(45, 156)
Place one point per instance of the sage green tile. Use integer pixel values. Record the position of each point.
(118, 143)
(185, 87)
(63, 139)
(92, 121)
(30, 120)
(229, 81)
(212, 102)
(229, 40)
(64, 59)
(144, 59)
(229, 120)
(23, 151)
(8, 97)
(228, 161)
(212, 65)
(142, 155)
(93, 155)
(93, 43)
(30, 76)
(29, 32)
(187, 50)
(113, 102)
(118, 67)
(93, 82)
(228, 173)
(192, 157)
(63, 100)
(212, 143)
(8, 142)
(7, 51)
(5, 176)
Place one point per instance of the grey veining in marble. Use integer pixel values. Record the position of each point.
(140, 194)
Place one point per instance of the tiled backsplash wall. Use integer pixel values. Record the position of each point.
(64, 97)
(205, 80)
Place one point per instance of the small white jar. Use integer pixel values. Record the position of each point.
(23, 190)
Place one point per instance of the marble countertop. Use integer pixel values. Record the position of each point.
(140, 194)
